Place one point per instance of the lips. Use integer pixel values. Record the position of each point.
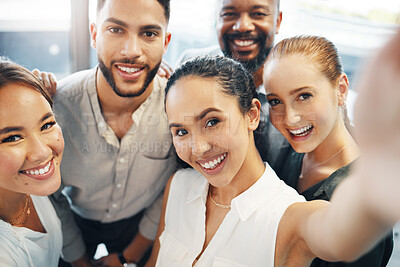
(300, 134)
(41, 172)
(243, 42)
(213, 165)
(130, 72)
(301, 131)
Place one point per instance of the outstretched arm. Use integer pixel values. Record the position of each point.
(366, 205)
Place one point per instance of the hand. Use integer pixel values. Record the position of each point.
(165, 70)
(110, 260)
(377, 119)
(48, 79)
(82, 262)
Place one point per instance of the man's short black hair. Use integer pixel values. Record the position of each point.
(164, 3)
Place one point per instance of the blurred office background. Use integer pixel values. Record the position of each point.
(54, 35)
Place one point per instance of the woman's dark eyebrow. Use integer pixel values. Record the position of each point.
(11, 129)
(294, 91)
(46, 116)
(197, 117)
(205, 112)
(21, 128)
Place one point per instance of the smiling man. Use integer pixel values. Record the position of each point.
(118, 153)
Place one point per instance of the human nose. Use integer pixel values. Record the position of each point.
(199, 145)
(131, 47)
(38, 150)
(292, 117)
(243, 24)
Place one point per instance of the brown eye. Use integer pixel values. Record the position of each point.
(115, 30)
(212, 122)
(47, 125)
(273, 102)
(305, 96)
(11, 138)
(181, 132)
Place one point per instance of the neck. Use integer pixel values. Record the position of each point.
(11, 204)
(258, 77)
(338, 144)
(251, 170)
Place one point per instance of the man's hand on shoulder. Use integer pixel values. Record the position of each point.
(48, 79)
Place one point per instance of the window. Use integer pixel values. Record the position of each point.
(35, 34)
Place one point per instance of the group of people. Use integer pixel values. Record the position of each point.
(262, 128)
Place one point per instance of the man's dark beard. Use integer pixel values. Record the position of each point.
(251, 65)
(110, 78)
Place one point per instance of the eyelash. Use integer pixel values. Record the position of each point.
(213, 122)
(306, 95)
(11, 138)
(179, 133)
(273, 102)
(115, 30)
(153, 34)
(50, 124)
(17, 137)
(209, 123)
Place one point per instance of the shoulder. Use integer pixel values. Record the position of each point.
(186, 177)
(159, 84)
(10, 249)
(194, 52)
(75, 84)
(324, 189)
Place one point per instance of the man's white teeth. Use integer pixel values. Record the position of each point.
(39, 171)
(212, 164)
(302, 131)
(244, 42)
(128, 70)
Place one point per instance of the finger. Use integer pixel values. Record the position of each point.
(36, 72)
(167, 66)
(161, 72)
(44, 77)
(53, 84)
(98, 262)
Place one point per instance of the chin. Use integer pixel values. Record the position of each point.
(49, 188)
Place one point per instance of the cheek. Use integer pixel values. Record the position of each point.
(325, 121)
(277, 118)
(57, 141)
(181, 148)
(11, 163)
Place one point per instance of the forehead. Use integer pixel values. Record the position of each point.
(292, 72)
(133, 12)
(244, 5)
(19, 103)
(191, 95)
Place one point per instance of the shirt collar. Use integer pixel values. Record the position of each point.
(261, 192)
(103, 128)
(245, 204)
(199, 188)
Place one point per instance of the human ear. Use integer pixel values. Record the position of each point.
(93, 35)
(166, 41)
(253, 115)
(343, 89)
(278, 22)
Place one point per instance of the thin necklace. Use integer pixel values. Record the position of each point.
(26, 209)
(219, 205)
(325, 161)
